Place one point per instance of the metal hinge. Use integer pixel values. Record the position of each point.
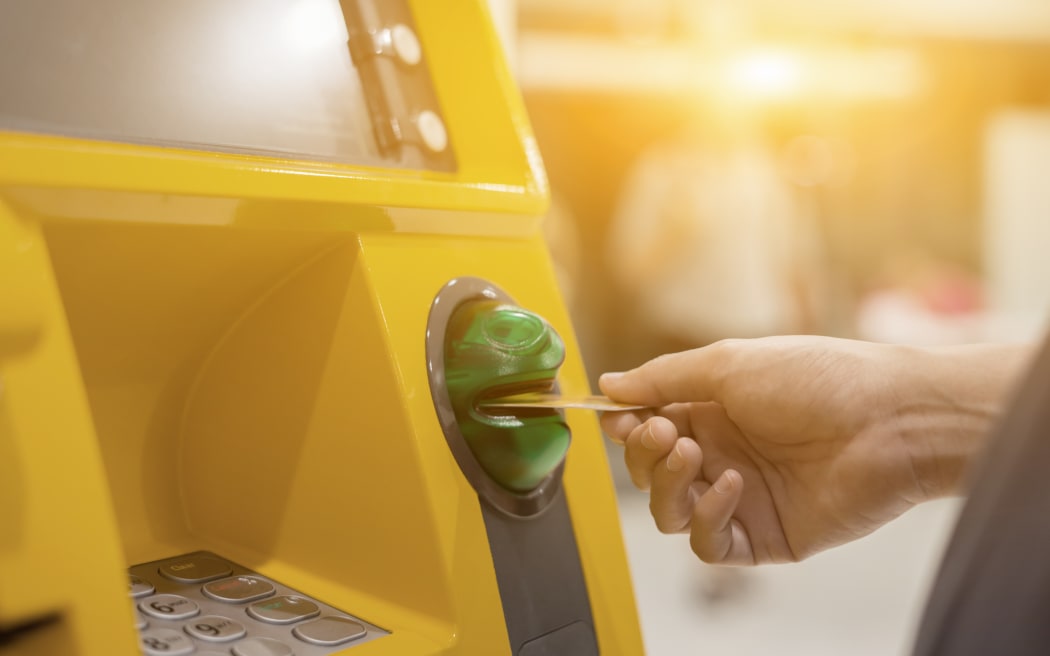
(386, 50)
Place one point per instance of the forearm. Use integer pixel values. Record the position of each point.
(953, 399)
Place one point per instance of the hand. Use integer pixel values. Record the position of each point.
(773, 449)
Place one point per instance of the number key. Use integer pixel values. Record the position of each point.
(165, 642)
(169, 607)
(215, 628)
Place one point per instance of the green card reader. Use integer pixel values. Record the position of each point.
(495, 349)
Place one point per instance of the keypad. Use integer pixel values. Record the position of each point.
(202, 604)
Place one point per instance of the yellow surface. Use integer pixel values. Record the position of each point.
(206, 351)
(59, 547)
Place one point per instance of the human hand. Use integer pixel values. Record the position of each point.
(773, 449)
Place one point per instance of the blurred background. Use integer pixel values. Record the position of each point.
(733, 168)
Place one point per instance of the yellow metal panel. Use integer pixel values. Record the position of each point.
(59, 555)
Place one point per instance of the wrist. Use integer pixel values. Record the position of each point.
(950, 404)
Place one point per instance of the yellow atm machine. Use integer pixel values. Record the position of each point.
(261, 263)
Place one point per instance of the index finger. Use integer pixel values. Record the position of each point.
(688, 376)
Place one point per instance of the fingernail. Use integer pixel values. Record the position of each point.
(723, 483)
(610, 377)
(675, 461)
(648, 439)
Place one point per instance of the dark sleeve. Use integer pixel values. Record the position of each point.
(992, 594)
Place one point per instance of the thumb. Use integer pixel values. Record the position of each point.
(685, 377)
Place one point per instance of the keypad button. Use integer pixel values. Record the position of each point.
(215, 628)
(261, 647)
(165, 642)
(169, 607)
(138, 587)
(328, 631)
(238, 589)
(195, 569)
(284, 610)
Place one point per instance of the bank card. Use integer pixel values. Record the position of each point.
(561, 401)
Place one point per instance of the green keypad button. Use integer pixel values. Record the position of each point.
(283, 610)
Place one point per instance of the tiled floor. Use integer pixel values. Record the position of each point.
(861, 599)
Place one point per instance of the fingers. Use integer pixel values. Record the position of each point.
(646, 445)
(689, 376)
(680, 501)
(670, 467)
(673, 493)
(618, 425)
(714, 535)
